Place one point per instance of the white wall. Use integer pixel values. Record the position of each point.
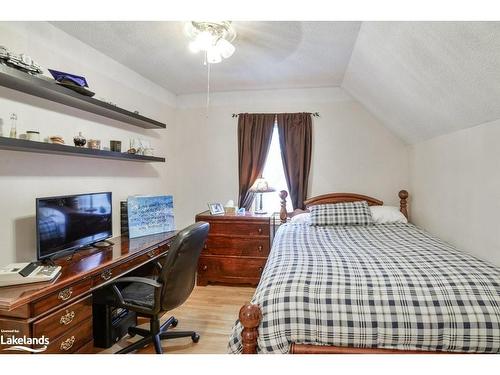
(352, 151)
(24, 176)
(455, 187)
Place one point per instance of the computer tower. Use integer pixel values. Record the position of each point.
(111, 324)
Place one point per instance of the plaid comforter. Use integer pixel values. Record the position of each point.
(385, 286)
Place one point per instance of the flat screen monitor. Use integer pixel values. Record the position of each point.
(68, 223)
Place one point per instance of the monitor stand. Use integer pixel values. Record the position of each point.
(102, 244)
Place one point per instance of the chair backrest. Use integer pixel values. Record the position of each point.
(178, 274)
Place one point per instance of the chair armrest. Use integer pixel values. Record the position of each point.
(136, 279)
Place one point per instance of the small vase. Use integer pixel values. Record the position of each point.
(79, 140)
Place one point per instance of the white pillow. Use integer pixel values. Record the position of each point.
(387, 215)
(301, 218)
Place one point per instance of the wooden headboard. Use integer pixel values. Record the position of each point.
(338, 198)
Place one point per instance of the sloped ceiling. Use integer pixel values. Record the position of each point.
(424, 79)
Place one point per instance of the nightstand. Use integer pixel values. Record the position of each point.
(236, 249)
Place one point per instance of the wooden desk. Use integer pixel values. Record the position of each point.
(62, 310)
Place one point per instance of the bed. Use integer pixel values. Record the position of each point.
(390, 288)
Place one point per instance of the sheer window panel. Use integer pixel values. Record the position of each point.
(275, 175)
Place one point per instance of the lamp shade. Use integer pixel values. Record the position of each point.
(261, 186)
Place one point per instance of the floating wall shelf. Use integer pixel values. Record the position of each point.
(13, 144)
(46, 88)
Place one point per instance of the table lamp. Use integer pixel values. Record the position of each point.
(259, 187)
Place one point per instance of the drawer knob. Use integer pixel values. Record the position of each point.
(259, 230)
(68, 343)
(67, 318)
(65, 294)
(204, 268)
(205, 246)
(260, 247)
(152, 253)
(106, 275)
(260, 269)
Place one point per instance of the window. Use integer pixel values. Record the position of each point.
(273, 172)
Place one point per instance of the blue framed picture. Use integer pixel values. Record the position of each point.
(150, 215)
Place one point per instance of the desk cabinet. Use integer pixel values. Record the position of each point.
(236, 249)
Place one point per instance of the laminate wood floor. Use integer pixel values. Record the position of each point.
(210, 310)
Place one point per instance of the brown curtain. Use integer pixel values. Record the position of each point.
(295, 134)
(255, 131)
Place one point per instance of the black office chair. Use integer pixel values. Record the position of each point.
(151, 297)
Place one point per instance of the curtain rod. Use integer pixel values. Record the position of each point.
(314, 114)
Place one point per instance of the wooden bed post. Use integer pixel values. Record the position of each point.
(250, 317)
(403, 203)
(283, 213)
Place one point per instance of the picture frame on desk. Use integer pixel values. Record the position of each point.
(216, 208)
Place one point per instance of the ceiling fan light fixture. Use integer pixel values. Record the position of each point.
(226, 48)
(213, 38)
(213, 56)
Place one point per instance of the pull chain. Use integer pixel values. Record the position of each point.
(208, 84)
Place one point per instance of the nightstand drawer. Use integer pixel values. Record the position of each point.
(236, 246)
(229, 269)
(240, 229)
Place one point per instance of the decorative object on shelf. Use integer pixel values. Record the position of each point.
(140, 146)
(259, 187)
(241, 211)
(13, 125)
(21, 62)
(94, 144)
(56, 140)
(216, 208)
(150, 215)
(79, 140)
(73, 82)
(148, 151)
(33, 135)
(115, 146)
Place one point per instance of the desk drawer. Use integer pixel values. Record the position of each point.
(237, 246)
(240, 228)
(113, 272)
(72, 340)
(61, 297)
(63, 319)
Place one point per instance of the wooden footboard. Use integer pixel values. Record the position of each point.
(251, 315)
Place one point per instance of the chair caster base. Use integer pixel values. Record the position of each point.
(175, 322)
(195, 337)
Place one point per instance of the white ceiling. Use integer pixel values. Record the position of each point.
(268, 55)
(424, 79)
(420, 79)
